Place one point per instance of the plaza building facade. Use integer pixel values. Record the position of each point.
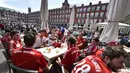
(58, 17)
(61, 16)
(8, 16)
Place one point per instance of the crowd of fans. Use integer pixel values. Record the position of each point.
(85, 54)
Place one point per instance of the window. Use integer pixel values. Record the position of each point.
(60, 12)
(100, 20)
(93, 8)
(62, 16)
(101, 14)
(65, 20)
(57, 12)
(98, 8)
(87, 15)
(65, 16)
(77, 9)
(83, 15)
(96, 14)
(68, 16)
(84, 10)
(80, 9)
(92, 15)
(69, 11)
(95, 20)
(78, 20)
(62, 20)
(88, 9)
(103, 7)
(66, 11)
(83, 21)
(77, 15)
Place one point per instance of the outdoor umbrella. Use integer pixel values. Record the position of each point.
(121, 25)
(117, 11)
(44, 14)
(72, 17)
(85, 27)
(92, 26)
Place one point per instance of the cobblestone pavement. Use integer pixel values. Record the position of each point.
(3, 64)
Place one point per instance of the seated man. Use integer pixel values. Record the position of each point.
(93, 47)
(41, 39)
(29, 58)
(15, 41)
(5, 39)
(70, 57)
(81, 42)
(111, 59)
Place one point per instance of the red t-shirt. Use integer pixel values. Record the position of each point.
(70, 58)
(14, 45)
(57, 44)
(92, 48)
(99, 52)
(29, 59)
(79, 41)
(91, 64)
(6, 38)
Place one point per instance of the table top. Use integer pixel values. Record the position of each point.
(51, 52)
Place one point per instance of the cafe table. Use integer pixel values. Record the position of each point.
(50, 53)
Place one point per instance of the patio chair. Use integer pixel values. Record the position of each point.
(7, 56)
(21, 70)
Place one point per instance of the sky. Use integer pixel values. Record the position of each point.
(22, 5)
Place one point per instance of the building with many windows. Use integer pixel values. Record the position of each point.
(11, 16)
(59, 16)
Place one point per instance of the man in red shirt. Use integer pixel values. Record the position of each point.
(15, 41)
(29, 58)
(5, 39)
(81, 42)
(69, 57)
(111, 59)
(93, 47)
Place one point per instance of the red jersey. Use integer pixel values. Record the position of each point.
(79, 41)
(91, 64)
(29, 59)
(92, 48)
(70, 58)
(6, 38)
(57, 44)
(14, 45)
(99, 52)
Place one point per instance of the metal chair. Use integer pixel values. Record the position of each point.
(5, 45)
(21, 70)
(7, 56)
